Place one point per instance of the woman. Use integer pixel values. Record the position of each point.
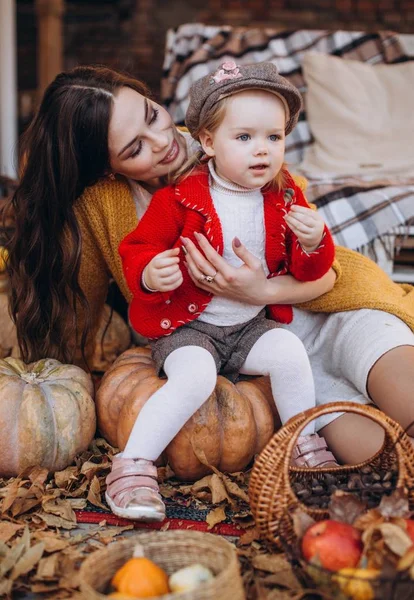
(93, 155)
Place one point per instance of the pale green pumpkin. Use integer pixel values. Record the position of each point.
(47, 414)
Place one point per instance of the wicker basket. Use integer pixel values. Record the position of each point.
(171, 550)
(271, 495)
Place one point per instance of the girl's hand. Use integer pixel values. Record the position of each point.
(307, 225)
(247, 283)
(162, 273)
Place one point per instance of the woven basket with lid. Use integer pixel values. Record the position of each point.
(170, 550)
(271, 495)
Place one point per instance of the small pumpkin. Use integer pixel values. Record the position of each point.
(229, 429)
(141, 577)
(355, 583)
(47, 414)
(190, 577)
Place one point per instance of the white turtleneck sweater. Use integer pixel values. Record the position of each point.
(241, 214)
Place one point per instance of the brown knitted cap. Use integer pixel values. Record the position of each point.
(230, 79)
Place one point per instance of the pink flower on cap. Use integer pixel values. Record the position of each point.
(228, 70)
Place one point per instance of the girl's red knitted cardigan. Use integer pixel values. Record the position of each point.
(187, 207)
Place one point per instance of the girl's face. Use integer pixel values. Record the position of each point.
(249, 144)
(143, 141)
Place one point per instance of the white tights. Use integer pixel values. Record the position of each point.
(192, 377)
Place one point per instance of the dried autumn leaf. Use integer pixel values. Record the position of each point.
(369, 519)
(109, 533)
(52, 542)
(301, 522)
(263, 593)
(3, 549)
(24, 505)
(395, 538)
(25, 539)
(218, 490)
(234, 489)
(217, 515)
(249, 536)
(94, 493)
(10, 558)
(61, 508)
(47, 568)
(5, 587)
(201, 484)
(55, 521)
(280, 566)
(108, 450)
(201, 455)
(167, 491)
(377, 554)
(260, 591)
(68, 475)
(395, 505)
(407, 560)
(8, 530)
(10, 494)
(215, 485)
(345, 507)
(81, 490)
(28, 561)
(90, 469)
(44, 588)
(77, 503)
(69, 568)
(38, 476)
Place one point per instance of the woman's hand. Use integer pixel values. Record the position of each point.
(247, 283)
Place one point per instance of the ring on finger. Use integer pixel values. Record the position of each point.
(202, 278)
(210, 278)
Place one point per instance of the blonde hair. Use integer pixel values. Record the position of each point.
(211, 123)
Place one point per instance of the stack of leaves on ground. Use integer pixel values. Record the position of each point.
(42, 546)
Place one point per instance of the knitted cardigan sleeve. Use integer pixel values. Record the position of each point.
(310, 266)
(157, 231)
(105, 214)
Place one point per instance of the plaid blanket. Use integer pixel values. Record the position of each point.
(359, 211)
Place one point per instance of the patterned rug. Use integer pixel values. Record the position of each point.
(178, 517)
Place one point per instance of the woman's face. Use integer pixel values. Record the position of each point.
(143, 141)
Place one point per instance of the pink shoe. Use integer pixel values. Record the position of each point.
(132, 490)
(310, 451)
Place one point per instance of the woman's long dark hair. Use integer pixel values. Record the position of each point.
(64, 150)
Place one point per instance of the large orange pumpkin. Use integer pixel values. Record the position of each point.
(233, 425)
(47, 414)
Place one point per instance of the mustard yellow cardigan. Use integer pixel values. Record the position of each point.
(106, 213)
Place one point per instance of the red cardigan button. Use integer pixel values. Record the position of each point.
(165, 323)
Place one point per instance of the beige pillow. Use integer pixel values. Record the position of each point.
(361, 116)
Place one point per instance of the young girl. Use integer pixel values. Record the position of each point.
(241, 117)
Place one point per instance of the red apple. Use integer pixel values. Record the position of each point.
(336, 545)
(410, 529)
